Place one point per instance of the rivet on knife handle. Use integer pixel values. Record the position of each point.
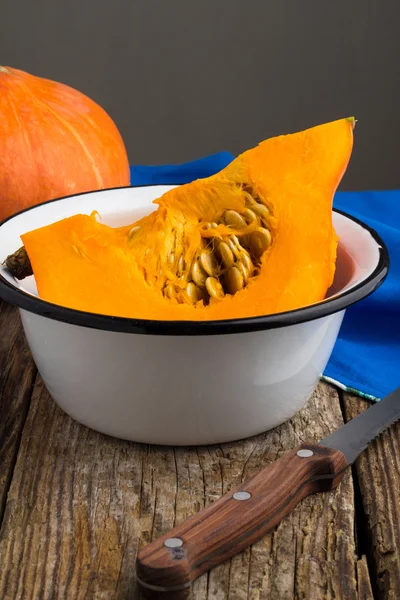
(168, 566)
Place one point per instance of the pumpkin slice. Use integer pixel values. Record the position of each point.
(256, 238)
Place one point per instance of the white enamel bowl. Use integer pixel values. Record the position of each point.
(182, 383)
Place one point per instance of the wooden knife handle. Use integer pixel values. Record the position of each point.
(167, 567)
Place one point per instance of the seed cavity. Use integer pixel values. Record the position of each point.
(224, 264)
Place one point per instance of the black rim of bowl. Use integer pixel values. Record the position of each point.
(337, 303)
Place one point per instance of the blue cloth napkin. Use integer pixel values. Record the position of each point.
(366, 357)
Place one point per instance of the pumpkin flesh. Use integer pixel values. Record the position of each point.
(83, 264)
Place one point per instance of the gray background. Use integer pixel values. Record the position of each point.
(184, 78)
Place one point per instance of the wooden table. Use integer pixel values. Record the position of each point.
(75, 504)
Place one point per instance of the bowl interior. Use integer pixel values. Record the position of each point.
(358, 252)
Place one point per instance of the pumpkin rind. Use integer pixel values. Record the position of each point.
(143, 271)
(54, 141)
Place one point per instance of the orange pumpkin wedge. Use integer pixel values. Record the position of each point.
(256, 238)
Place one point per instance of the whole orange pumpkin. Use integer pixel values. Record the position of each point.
(54, 141)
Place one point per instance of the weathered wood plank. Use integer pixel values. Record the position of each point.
(80, 501)
(378, 473)
(363, 580)
(17, 373)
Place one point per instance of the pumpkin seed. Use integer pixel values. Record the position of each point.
(199, 275)
(260, 209)
(250, 216)
(233, 280)
(246, 261)
(260, 240)
(234, 245)
(181, 265)
(194, 292)
(169, 291)
(245, 241)
(214, 288)
(132, 231)
(234, 219)
(208, 262)
(210, 225)
(244, 272)
(226, 255)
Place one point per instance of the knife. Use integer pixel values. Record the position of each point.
(167, 567)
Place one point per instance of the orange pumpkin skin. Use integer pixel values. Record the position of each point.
(54, 141)
(83, 264)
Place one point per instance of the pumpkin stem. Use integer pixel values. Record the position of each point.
(18, 263)
(352, 120)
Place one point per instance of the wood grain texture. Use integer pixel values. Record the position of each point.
(80, 504)
(228, 527)
(378, 475)
(363, 579)
(17, 373)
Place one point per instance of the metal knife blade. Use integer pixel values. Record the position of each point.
(353, 437)
(169, 565)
